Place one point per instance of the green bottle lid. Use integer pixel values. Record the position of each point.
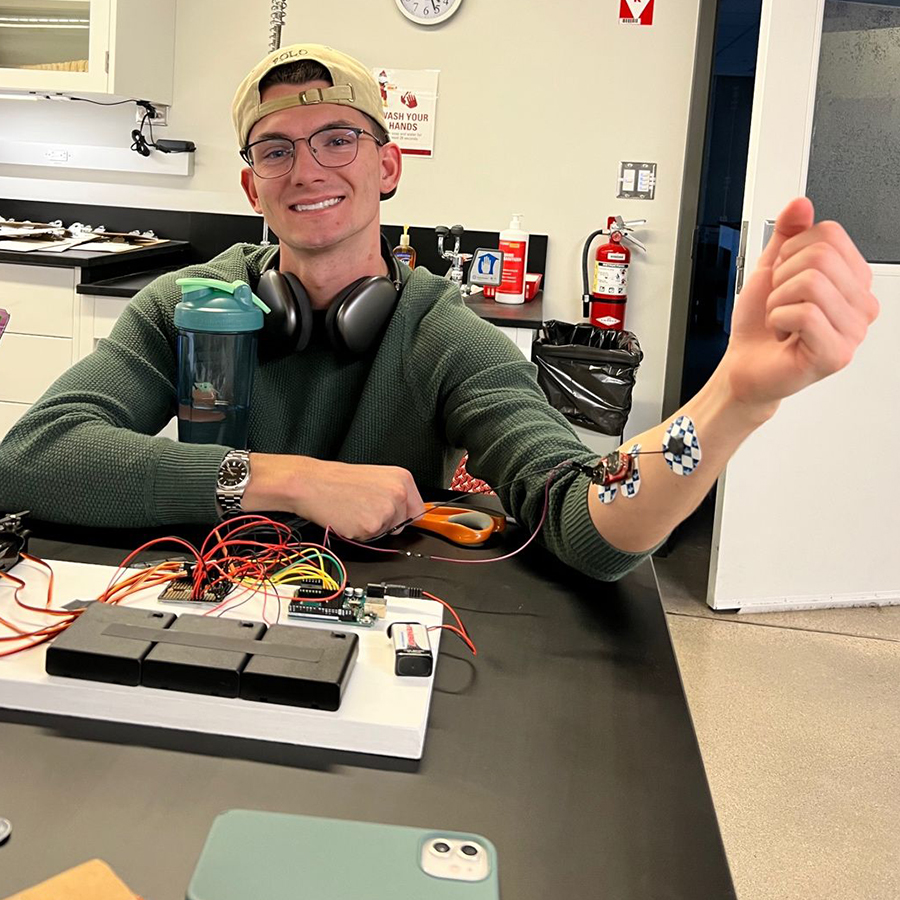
(218, 307)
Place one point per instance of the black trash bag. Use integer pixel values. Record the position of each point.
(588, 373)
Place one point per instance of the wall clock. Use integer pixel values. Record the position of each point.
(428, 12)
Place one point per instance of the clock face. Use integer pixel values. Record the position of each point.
(428, 12)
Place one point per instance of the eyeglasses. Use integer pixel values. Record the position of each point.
(330, 147)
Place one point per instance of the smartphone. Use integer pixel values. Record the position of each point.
(291, 857)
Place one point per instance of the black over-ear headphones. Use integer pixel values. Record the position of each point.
(354, 322)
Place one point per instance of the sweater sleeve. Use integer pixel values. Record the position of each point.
(87, 452)
(491, 405)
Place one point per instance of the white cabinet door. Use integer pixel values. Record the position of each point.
(119, 47)
(10, 413)
(524, 340)
(106, 311)
(521, 337)
(102, 313)
(54, 46)
(39, 299)
(30, 364)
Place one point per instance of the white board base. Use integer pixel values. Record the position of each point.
(381, 713)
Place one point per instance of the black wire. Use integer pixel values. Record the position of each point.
(101, 103)
(584, 260)
(140, 144)
(569, 463)
(460, 495)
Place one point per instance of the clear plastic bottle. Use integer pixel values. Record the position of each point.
(514, 244)
(404, 251)
(217, 325)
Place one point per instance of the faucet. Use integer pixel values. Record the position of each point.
(457, 259)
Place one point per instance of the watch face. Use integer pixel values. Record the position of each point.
(232, 473)
(428, 12)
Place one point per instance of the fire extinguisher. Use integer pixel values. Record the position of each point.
(604, 302)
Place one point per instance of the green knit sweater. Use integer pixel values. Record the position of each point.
(442, 381)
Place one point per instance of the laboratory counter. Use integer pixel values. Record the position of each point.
(522, 315)
(567, 741)
(95, 264)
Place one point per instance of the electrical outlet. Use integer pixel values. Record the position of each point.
(159, 120)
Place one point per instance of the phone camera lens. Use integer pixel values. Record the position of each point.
(469, 850)
(440, 847)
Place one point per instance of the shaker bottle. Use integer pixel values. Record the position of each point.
(217, 324)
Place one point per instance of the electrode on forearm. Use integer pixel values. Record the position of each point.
(681, 448)
(632, 483)
(619, 471)
(614, 471)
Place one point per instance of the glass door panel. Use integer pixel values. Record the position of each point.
(45, 35)
(853, 175)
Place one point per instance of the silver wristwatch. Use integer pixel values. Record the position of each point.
(234, 475)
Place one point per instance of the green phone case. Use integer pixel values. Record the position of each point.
(289, 857)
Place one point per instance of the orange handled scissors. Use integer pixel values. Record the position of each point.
(469, 527)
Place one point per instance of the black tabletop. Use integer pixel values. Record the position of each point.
(123, 285)
(98, 261)
(511, 315)
(521, 315)
(567, 742)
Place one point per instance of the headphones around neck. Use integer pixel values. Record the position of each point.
(354, 322)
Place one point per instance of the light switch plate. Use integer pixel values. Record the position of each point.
(637, 180)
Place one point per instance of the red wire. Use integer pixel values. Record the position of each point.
(462, 631)
(173, 540)
(47, 636)
(42, 634)
(462, 636)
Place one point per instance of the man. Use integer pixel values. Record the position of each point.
(344, 439)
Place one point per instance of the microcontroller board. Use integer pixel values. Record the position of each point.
(353, 606)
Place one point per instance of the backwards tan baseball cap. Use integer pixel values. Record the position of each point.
(352, 85)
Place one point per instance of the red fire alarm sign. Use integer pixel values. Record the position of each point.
(636, 12)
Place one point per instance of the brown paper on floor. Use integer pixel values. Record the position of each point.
(93, 880)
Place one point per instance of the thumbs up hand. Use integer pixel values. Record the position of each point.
(802, 313)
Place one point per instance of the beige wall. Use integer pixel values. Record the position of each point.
(517, 80)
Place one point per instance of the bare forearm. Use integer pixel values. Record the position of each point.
(358, 501)
(664, 499)
(275, 480)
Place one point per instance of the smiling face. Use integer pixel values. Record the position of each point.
(313, 208)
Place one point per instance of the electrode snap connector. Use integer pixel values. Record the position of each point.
(613, 468)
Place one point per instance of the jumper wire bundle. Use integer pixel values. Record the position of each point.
(252, 552)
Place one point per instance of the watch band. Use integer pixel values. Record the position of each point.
(228, 493)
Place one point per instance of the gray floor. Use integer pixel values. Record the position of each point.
(798, 720)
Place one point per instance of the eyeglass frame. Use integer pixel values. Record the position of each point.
(244, 152)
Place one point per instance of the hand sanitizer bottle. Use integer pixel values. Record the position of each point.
(404, 252)
(514, 244)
